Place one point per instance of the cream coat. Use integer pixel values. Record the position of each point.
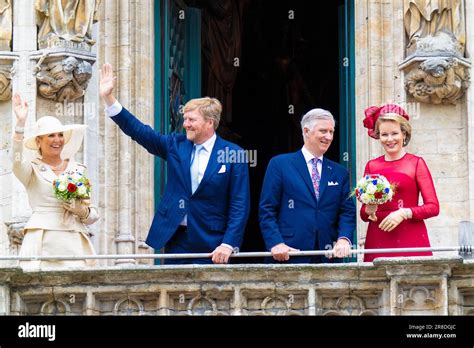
(38, 180)
(51, 230)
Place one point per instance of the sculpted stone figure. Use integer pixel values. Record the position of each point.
(54, 75)
(70, 20)
(15, 234)
(5, 25)
(5, 84)
(77, 86)
(438, 81)
(430, 17)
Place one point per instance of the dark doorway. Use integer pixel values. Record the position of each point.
(288, 65)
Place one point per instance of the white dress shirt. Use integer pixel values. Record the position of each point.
(308, 157)
(204, 156)
(114, 109)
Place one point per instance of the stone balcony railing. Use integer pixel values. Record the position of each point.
(396, 286)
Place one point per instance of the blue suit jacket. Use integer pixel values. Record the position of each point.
(291, 214)
(218, 209)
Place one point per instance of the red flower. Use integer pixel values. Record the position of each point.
(71, 187)
(378, 195)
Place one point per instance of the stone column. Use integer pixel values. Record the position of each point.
(14, 207)
(4, 299)
(125, 169)
(470, 111)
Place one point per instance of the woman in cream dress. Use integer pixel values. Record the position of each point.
(55, 227)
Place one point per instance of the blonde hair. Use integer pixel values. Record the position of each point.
(210, 108)
(393, 117)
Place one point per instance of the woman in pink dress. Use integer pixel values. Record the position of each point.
(400, 222)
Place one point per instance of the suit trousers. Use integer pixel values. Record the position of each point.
(177, 245)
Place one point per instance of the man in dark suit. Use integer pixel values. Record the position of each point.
(206, 201)
(305, 202)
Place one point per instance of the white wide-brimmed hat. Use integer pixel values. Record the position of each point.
(73, 135)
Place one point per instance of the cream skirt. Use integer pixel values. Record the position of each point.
(53, 242)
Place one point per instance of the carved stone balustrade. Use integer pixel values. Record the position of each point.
(401, 286)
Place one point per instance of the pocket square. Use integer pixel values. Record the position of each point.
(222, 170)
(330, 183)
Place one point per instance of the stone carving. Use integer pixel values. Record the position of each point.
(278, 305)
(438, 81)
(128, 306)
(5, 83)
(349, 305)
(419, 300)
(55, 307)
(429, 18)
(5, 25)
(203, 305)
(77, 87)
(437, 70)
(60, 20)
(63, 79)
(15, 235)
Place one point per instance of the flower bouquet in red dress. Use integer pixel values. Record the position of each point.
(374, 189)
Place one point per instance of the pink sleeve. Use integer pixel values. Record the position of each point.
(424, 181)
(363, 214)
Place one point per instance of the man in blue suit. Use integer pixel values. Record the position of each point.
(205, 206)
(305, 202)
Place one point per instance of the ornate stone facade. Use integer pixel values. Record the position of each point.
(437, 71)
(388, 287)
(122, 174)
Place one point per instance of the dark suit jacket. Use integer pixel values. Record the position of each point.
(291, 214)
(216, 213)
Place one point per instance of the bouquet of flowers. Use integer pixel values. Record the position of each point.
(71, 185)
(374, 189)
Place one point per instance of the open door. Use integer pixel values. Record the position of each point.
(290, 56)
(177, 71)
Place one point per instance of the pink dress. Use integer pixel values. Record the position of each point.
(411, 176)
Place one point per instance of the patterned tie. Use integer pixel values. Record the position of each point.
(195, 167)
(315, 177)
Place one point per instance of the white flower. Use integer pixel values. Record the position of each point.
(365, 198)
(82, 190)
(76, 176)
(371, 189)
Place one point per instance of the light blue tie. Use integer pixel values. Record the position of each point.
(195, 167)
